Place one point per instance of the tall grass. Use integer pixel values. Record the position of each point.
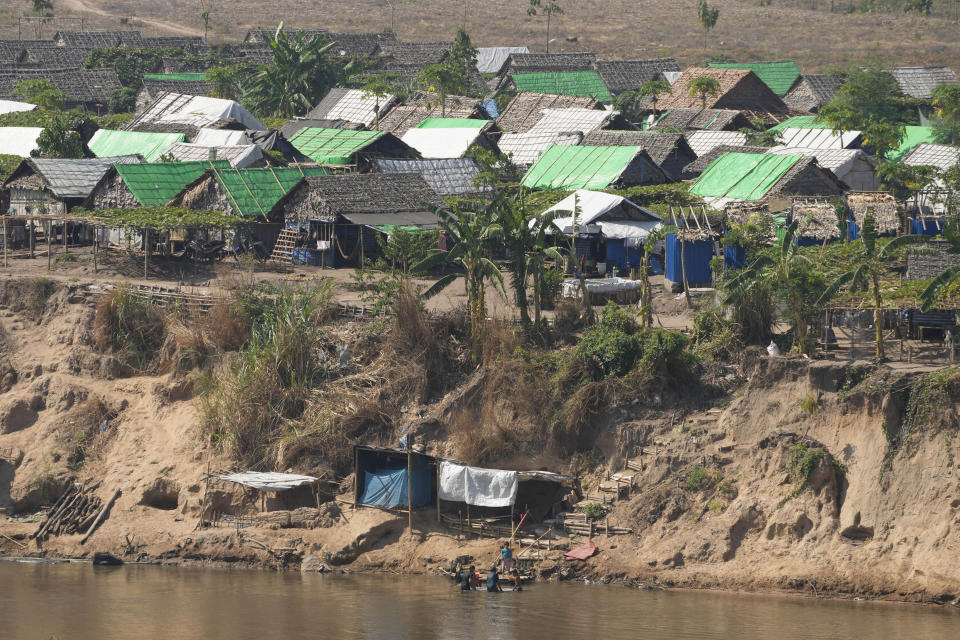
(130, 326)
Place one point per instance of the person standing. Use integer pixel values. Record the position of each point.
(506, 557)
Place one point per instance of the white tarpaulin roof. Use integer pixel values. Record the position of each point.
(442, 143)
(565, 127)
(817, 138)
(220, 137)
(12, 106)
(198, 111)
(491, 59)
(19, 141)
(477, 486)
(265, 481)
(593, 206)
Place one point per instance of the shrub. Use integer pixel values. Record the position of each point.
(612, 345)
(697, 479)
(551, 282)
(130, 325)
(594, 511)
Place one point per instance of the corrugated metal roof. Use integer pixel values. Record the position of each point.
(107, 143)
(158, 183)
(563, 167)
(818, 138)
(779, 76)
(703, 142)
(333, 146)
(587, 84)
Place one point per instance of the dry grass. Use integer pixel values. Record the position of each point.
(788, 29)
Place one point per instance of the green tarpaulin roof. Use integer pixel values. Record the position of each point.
(587, 84)
(779, 76)
(182, 77)
(452, 123)
(108, 143)
(159, 183)
(332, 146)
(562, 167)
(800, 122)
(255, 192)
(742, 176)
(912, 136)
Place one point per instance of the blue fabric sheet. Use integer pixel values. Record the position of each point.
(387, 488)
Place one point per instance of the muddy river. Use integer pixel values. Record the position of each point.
(79, 602)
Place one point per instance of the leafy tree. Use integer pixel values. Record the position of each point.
(653, 89)
(41, 93)
(463, 54)
(404, 248)
(548, 8)
(59, 139)
(495, 170)
(469, 232)
(704, 86)
(787, 270)
(225, 81)
(904, 180)
(444, 78)
(123, 100)
(882, 137)
(869, 263)
(946, 102)
(867, 96)
(301, 75)
(759, 135)
(707, 18)
(379, 86)
(42, 8)
(922, 7)
(646, 294)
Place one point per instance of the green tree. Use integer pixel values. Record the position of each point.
(404, 248)
(548, 8)
(379, 86)
(469, 233)
(59, 139)
(946, 102)
(41, 93)
(882, 137)
(653, 89)
(704, 86)
(302, 73)
(495, 170)
(905, 181)
(123, 100)
(707, 18)
(786, 269)
(646, 293)
(444, 78)
(922, 7)
(463, 55)
(867, 96)
(866, 267)
(225, 81)
(759, 135)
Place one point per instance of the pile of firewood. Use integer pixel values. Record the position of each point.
(74, 512)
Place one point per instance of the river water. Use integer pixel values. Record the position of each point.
(81, 602)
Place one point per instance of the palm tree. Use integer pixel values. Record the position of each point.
(301, 75)
(704, 86)
(867, 266)
(444, 78)
(649, 244)
(782, 267)
(469, 235)
(654, 88)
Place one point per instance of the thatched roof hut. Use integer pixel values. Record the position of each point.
(99, 39)
(702, 119)
(883, 206)
(669, 150)
(402, 118)
(549, 62)
(740, 89)
(446, 176)
(816, 220)
(90, 88)
(698, 166)
(631, 75)
(56, 185)
(812, 91)
(526, 109)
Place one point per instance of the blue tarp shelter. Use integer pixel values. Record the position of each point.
(385, 478)
(698, 253)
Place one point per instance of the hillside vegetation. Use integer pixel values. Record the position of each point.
(803, 31)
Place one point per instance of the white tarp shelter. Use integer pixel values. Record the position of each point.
(626, 219)
(239, 156)
(435, 143)
(19, 141)
(477, 486)
(266, 481)
(12, 106)
(197, 111)
(492, 59)
(210, 137)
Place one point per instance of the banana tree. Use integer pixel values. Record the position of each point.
(868, 265)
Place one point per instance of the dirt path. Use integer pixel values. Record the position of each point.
(80, 6)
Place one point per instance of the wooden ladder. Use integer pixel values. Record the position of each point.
(283, 249)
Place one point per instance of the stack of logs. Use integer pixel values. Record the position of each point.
(77, 511)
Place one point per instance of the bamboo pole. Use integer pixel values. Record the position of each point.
(49, 245)
(96, 241)
(100, 516)
(32, 241)
(410, 491)
(66, 230)
(6, 241)
(438, 492)
(146, 252)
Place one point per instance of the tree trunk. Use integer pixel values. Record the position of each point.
(878, 318)
(549, 15)
(683, 270)
(645, 290)
(520, 288)
(537, 294)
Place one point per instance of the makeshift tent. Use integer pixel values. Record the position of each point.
(108, 143)
(197, 111)
(220, 137)
(477, 486)
(12, 106)
(264, 481)
(587, 84)
(445, 137)
(562, 167)
(393, 478)
(19, 141)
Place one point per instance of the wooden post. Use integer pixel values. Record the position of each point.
(459, 525)
(469, 528)
(49, 245)
(66, 229)
(96, 241)
(409, 490)
(31, 239)
(356, 477)
(5, 240)
(203, 501)
(146, 252)
(438, 492)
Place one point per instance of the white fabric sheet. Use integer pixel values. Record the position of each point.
(19, 141)
(491, 59)
(265, 481)
(12, 106)
(198, 111)
(477, 486)
(441, 143)
(221, 138)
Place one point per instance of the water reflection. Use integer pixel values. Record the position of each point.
(79, 602)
